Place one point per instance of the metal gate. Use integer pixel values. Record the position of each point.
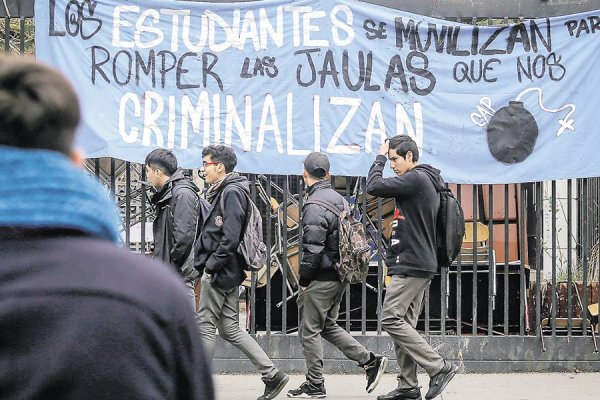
(517, 297)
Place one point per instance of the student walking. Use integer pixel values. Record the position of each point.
(177, 206)
(223, 267)
(321, 290)
(412, 263)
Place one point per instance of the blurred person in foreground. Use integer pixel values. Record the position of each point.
(80, 318)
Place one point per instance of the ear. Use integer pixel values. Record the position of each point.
(409, 156)
(77, 158)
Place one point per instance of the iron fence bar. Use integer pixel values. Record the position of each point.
(286, 188)
(112, 177)
(569, 255)
(553, 235)
(506, 258)
(272, 211)
(362, 182)
(144, 217)
(380, 276)
(443, 297)
(585, 246)
(253, 273)
(474, 262)
(6, 34)
(301, 189)
(22, 35)
(443, 300)
(347, 290)
(538, 254)
(491, 260)
(459, 279)
(523, 315)
(128, 204)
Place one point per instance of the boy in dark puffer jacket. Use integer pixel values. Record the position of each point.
(321, 290)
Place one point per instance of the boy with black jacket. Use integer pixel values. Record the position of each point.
(177, 205)
(412, 263)
(223, 267)
(321, 290)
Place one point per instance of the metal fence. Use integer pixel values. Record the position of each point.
(529, 268)
(525, 244)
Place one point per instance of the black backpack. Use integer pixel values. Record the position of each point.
(450, 221)
(450, 228)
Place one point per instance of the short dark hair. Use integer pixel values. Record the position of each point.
(162, 159)
(223, 154)
(38, 106)
(403, 144)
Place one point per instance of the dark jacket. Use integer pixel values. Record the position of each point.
(216, 250)
(177, 207)
(320, 239)
(81, 318)
(412, 249)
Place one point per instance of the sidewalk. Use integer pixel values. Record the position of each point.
(550, 386)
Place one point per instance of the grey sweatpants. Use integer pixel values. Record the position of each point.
(218, 309)
(401, 309)
(319, 308)
(190, 285)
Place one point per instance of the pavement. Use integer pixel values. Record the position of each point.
(535, 386)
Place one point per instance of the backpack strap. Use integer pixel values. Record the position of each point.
(328, 206)
(246, 212)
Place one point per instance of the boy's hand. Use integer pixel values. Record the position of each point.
(384, 148)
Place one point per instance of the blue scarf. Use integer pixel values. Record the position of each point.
(43, 189)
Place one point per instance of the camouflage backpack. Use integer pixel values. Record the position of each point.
(355, 251)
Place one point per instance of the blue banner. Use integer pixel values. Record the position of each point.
(277, 79)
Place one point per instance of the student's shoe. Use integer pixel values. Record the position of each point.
(375, 368)
(402, 394)
(439, 381)
(308, 390)
(274, 385)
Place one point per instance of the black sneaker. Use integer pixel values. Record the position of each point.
(274, 385)
(375, 369)
(308, 390)
(402, 394)
(439, 381)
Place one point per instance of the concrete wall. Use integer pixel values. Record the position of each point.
(480, 354)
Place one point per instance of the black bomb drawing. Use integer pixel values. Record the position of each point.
(512, 133)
